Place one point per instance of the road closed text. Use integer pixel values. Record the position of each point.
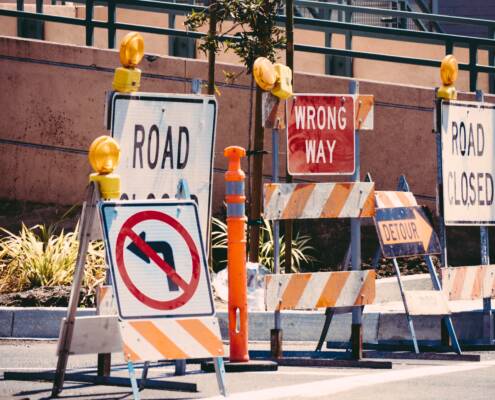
(467, 163)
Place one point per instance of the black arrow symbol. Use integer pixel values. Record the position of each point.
(162, 248)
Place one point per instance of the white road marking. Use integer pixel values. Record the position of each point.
(309, 371)
(333, 386)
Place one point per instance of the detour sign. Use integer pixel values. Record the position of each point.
(405, 231)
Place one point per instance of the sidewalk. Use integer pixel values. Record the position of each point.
(383, 322)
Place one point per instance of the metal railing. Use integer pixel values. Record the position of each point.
(328, 25)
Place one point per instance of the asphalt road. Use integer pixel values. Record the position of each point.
(424, 380)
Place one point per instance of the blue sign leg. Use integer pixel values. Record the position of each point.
(446, 320)
(132, 377)
(408, 316)
(220, 373)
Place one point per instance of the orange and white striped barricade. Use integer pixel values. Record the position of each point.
(315, 290)
(404, 230)
(472, 283)
(321, 201)
(469, 283)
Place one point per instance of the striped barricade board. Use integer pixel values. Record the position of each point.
(392, 199)
(364, 112)
(469, 283)
(319, 200)
(426, 302)
(171, 339)
(310, 291)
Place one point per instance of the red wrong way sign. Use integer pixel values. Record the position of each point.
(157, 259)
(320, 135)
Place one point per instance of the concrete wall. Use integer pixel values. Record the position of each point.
(54, 96)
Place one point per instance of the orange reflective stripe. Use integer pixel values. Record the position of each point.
(203, 335)
(129, 354)
(158, 340)
(457, 284)
(383, 200)
(404, 199)
(298, 200)
(269, 190)
(294, 290)
(333, 287)
(367, 293)
(477, 290)
(368, 207)
(336, 201)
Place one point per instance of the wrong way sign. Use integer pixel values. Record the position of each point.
(320, 135)
(157, 258)
(165, 138)
(468, 168)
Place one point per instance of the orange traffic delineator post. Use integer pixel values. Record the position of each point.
(236, 254)
(236, 268)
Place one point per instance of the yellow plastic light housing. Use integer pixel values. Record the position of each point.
(264, 73)
(131, 50)
(449, 71)
(104, 154)
(283, 87)
(126, 80)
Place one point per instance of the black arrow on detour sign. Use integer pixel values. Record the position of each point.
(162, 248)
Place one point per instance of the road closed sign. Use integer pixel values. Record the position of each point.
(165, 138)
(157, 258)
(320, 133)
(468, 163)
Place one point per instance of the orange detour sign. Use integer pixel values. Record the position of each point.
(405, 231)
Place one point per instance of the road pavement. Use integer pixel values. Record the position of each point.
(408, 379)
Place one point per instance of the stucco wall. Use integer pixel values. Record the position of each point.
(53, 99)
(52, 107)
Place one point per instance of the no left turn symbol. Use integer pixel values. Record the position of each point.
(184, 288)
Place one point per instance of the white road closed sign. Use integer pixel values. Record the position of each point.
(157, 258)
(468, 163)
(165, 138)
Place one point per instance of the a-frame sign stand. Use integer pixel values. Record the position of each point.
(403, 186)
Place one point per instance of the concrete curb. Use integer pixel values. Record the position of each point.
(379, 327)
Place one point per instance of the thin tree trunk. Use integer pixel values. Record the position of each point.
(212, 31)
(289, 56)
(257, 180)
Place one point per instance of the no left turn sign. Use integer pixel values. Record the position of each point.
(157, 259)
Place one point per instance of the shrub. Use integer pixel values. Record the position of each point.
(37, 257)
(302, 250)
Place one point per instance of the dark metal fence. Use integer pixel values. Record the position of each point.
(352, 21)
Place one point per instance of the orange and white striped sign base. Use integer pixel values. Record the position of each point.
(171, 339)
(164, 338)
(310, 291)
(469, 283)
(319, 200)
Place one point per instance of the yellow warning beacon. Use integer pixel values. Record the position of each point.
(104, 156)
(128, 78)
(449, 70)
(276, 78)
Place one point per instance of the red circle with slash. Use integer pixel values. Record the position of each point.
(188, 288)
